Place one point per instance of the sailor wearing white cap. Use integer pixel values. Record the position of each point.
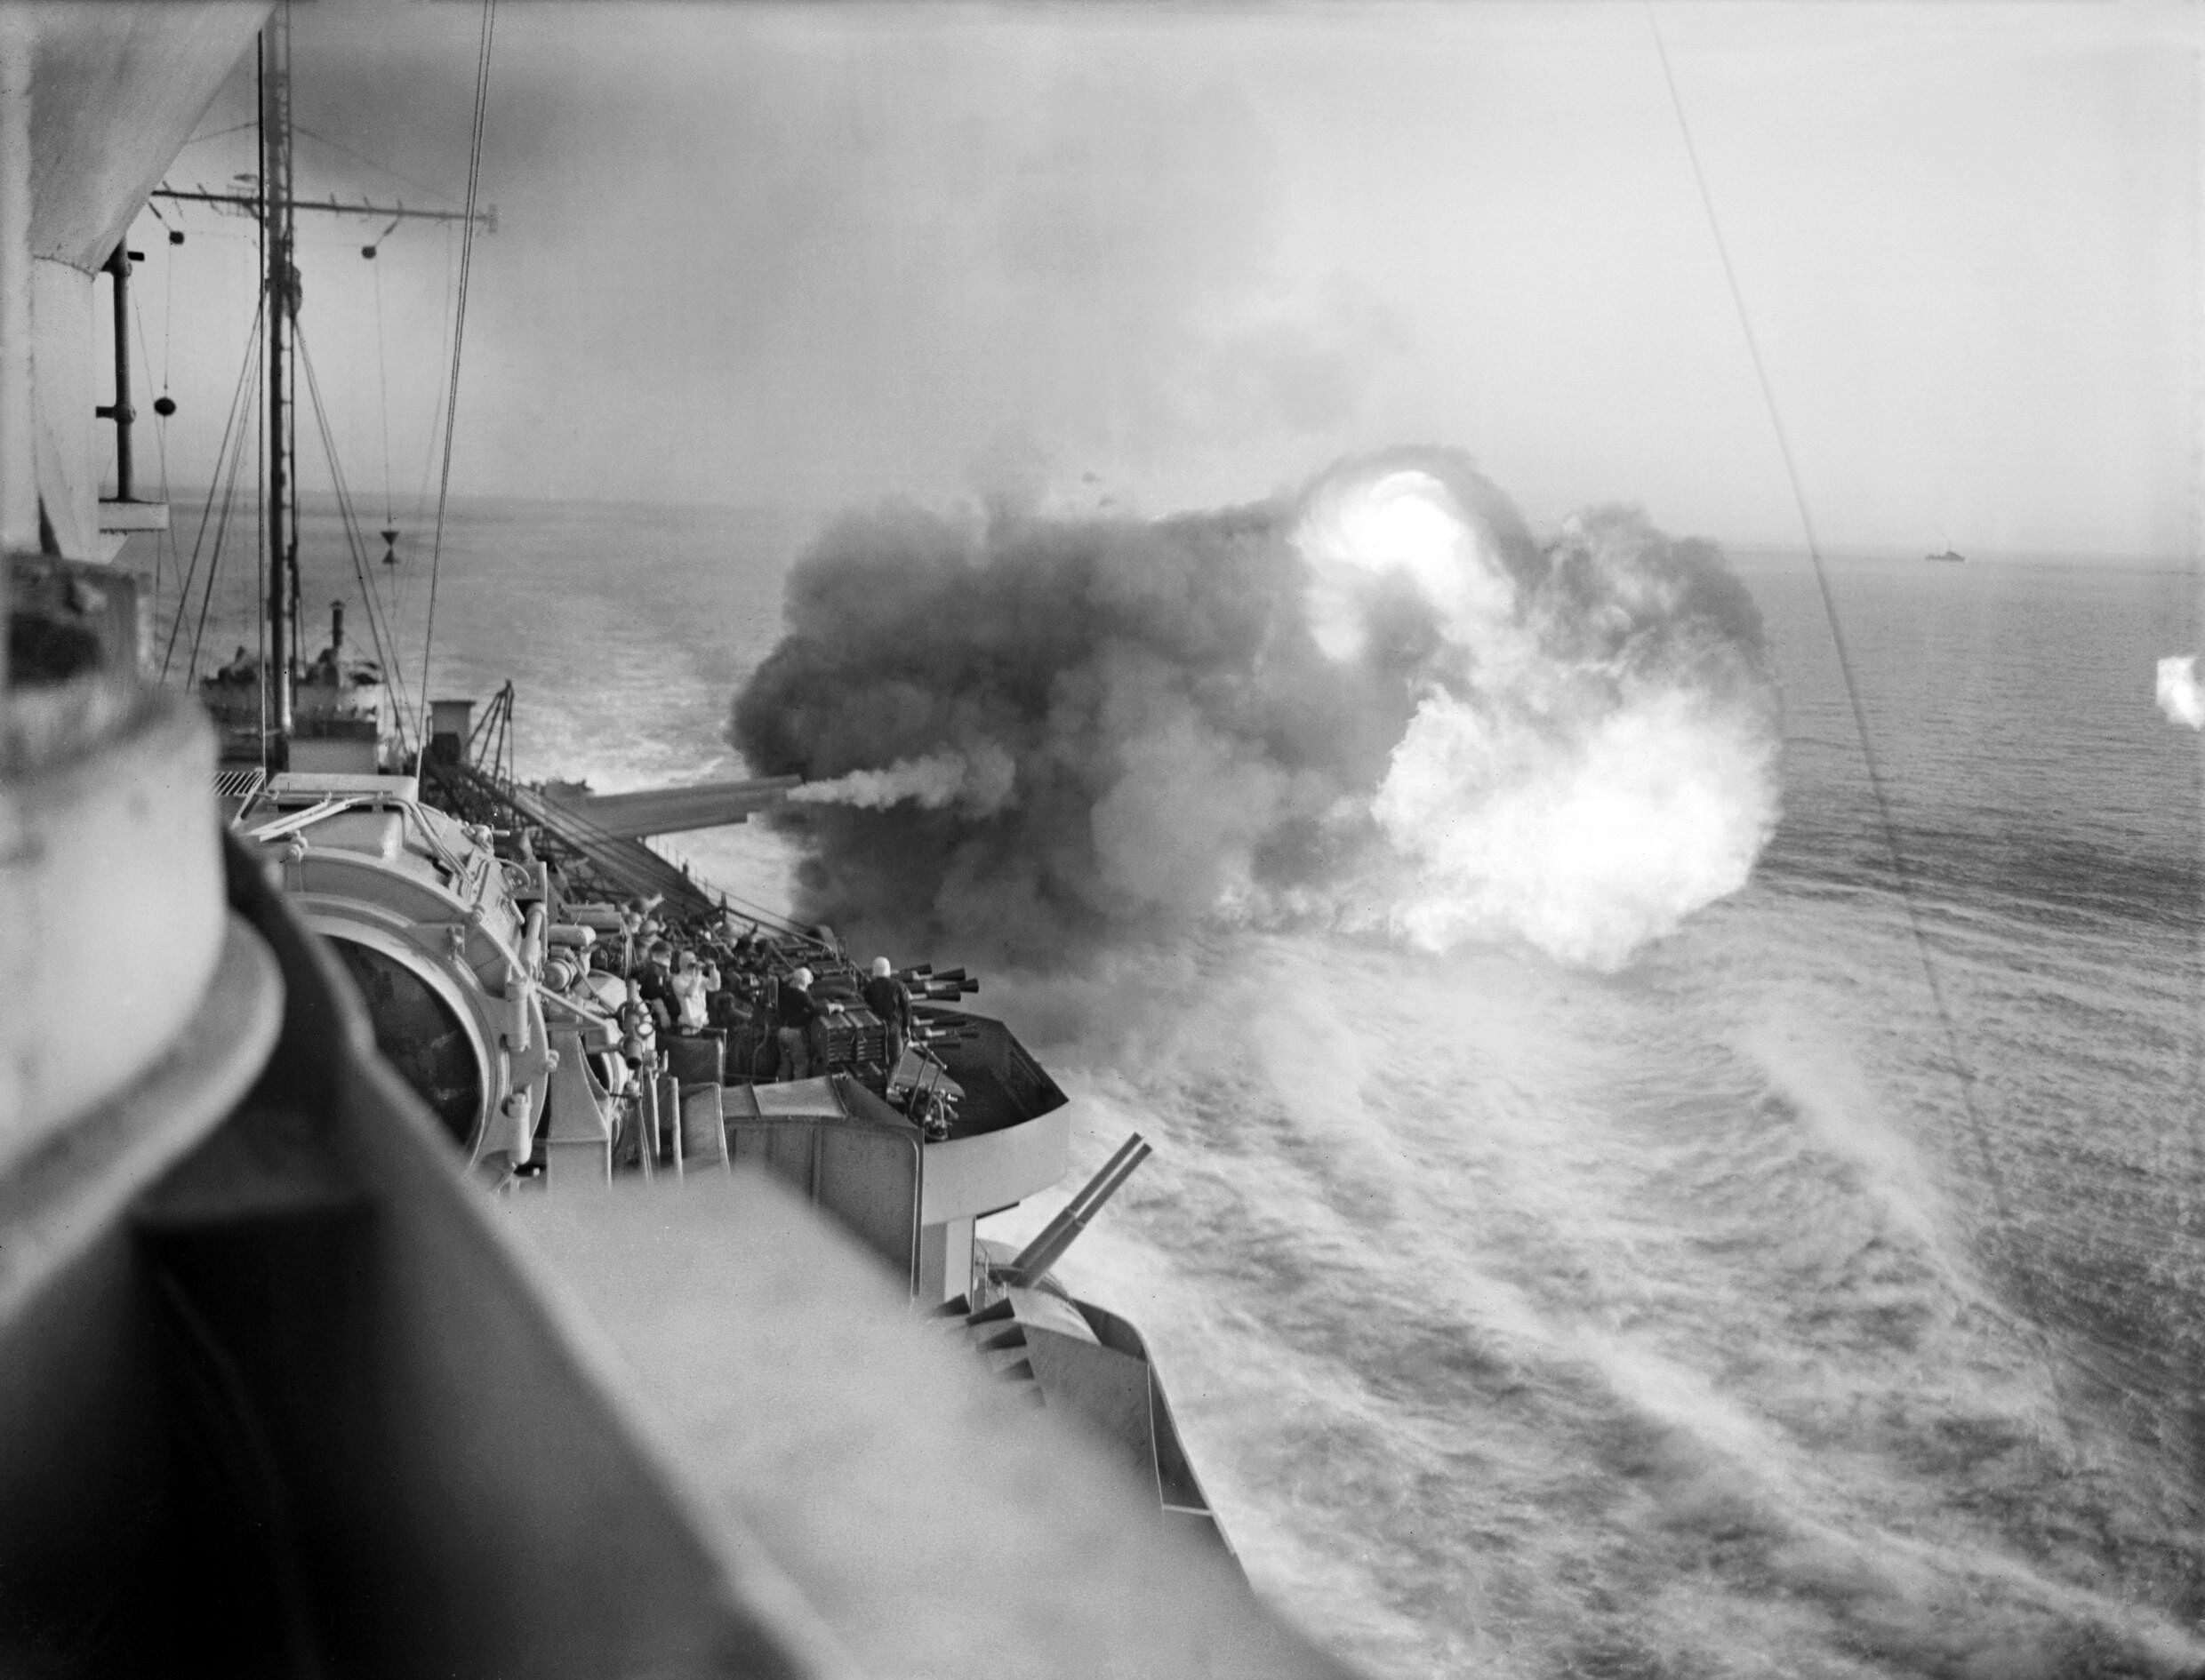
(887, 997)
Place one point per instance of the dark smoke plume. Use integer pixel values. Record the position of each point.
(1379, 701)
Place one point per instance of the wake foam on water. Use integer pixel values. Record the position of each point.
(2177, 692)
(1552, 1323)
(1840, 1119)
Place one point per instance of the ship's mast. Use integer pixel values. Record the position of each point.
(281, 282)
(274, 207)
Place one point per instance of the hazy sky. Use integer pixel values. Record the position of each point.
(826, 253)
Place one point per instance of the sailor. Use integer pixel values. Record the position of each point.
(686, 993)
(745, 973)
(727, 1006)
(890, 999)
(634, 912)
(796, 1012)
(241, 668)
(656, 983)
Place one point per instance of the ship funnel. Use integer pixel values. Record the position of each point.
(1060, 1232)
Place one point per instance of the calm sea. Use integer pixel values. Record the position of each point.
(1819, 1296)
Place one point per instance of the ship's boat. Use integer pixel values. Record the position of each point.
(283, 1387)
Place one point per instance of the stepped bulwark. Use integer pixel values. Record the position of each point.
(279, 1388)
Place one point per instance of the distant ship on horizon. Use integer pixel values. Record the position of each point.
(1953, 555)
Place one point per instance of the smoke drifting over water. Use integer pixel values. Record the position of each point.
(2179, 696)
(1379, 703)
(980, 784)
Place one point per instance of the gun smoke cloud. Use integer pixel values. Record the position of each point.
(2179, 696)
(1378, 703)
(980, 784)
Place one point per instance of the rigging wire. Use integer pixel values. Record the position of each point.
(459, 336)
(247, 381)
(247, 367)
(406, 585)
(229, 496)
(382, 379)
(235, 128)
(168, 297)
(376, 164)
(349, 518)
(206, 598)
(378, 613)
(1878, 787)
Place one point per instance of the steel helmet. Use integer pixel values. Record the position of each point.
(882, 968)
